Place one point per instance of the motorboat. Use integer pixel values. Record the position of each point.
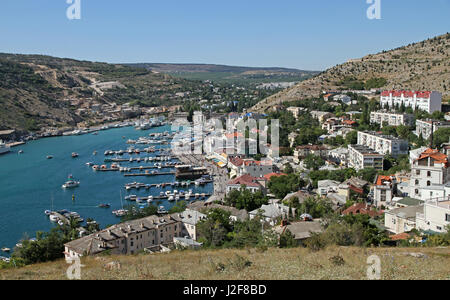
(49, 157)
(171, 198)
(75, 155)
(120, 212)
(71, 184)
(104, 205)
(5, 249)
(60, 223)
(162, 210)
(54, 218)
(4, 148)
(47, 212)
(150, 199)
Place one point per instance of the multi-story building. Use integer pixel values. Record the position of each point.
(431, 168)
(427, 127)
(251, 183)
(301, 152)
(134, 236)
(391, 119)
(426, 101)
(361, 157)
(384, 190)
(257, 168)
(435, 216)
(383, 144)
(403, 219)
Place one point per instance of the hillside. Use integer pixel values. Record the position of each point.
(419, 66)
(251, 264)
(229, 74)
(35, 90)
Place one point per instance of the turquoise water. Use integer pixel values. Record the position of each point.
(29, 181)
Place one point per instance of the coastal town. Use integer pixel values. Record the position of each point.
(398, 181)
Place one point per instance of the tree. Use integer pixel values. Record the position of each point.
(313, 162)
(213, 230)
(287, 240)
(351, 138)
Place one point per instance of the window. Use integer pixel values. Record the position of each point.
(428, 183)
(447, 217)
(429, 173)
(417, 182)
(417, 172)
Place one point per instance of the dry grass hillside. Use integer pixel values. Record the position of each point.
(274, 264)
(419, 66)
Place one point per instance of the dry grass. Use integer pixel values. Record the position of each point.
(250, 264)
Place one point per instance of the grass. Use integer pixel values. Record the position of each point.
(334, 263)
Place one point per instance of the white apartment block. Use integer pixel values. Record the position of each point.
(391, 119)
(427, 127)
(361, 157)
(431, 168)
(426, 101)
(383, 144)
(402, 219)
(435, 216)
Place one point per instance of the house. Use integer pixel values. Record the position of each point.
(383, 144)
(347, 100)
(251, 183)
(339, 156)
(257, 168)
(362, 209)
(415, 154)
(355, 185)
(431, 168)
(272, 212)
(384, 190)
(362, 157)
(300, 195)
(190, 219)
(424, 100)
(295, 111)
(186, 242)
(322, 116)
(301, 230)
(204, 207)
(301, 152)
(403, 219)
(435, 216)
(327, 186)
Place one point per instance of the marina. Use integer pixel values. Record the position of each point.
(45, 177)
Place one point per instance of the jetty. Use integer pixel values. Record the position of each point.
(165, 197)
(138, 185)
(149, 174)
(139, 159)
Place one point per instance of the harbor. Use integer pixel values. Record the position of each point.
(44, 178)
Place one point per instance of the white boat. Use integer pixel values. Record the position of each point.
(171, 198)
(71, 184)
(54, 218)
(5, 249)
(150, 199)
(60, 223)
(48, 212)
(4, 148)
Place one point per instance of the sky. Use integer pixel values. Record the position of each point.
(303, 34)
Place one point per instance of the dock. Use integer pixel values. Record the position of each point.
(149, 174)
(165, 197)
(163, 185)
(136, 168)
(138, 159)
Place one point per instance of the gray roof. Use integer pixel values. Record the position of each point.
(302, 230)
(272, 210)
(187, 241)
(408, 212)
(410, 202)
(191, 217)
(204, 206)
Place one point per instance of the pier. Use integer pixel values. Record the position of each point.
(149, 174)
(138, 185)
(166, 197)
(138, 159)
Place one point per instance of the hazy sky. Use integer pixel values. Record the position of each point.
(305, 34)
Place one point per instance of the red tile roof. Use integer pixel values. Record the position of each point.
(407, 94)
(237, 161)
(436, 155)
(246, 180)
(400, 236)
(361, 208)
(381, 179)
(269, 176)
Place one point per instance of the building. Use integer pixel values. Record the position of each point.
(362, 209)
(204, 207)
(296, 111)
(384, 190)
(403, 219)
(272, 212)
(251, 183)
(129, 237)
(322, 116)
(257, 168)
(431, 168)
(428, 127)
(362, 157)
(327, 186)
(186, 243)
(190, 219)
(353, 185)
(301, 230)
(343, 98)
(301, 152)
(339, 156)
(435, 216)
(391, 119)
(426, 101)
(383, 144)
